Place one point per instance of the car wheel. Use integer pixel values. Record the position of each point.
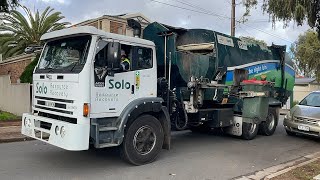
(142, 141)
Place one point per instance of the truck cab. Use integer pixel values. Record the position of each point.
(82, 95)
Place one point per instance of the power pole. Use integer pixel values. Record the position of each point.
(233, 18)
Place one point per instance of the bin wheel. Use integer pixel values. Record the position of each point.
(142, 141)
(249, 130)
(269, 126)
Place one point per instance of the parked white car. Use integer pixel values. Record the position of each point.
(304, 118)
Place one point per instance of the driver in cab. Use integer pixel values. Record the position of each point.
(125, 62)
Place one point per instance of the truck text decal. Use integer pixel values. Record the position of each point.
(118, 85)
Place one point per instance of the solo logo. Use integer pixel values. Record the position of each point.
(118, 85)
(41, 88)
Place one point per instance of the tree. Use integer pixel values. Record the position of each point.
(286, 10)
(17, 32)
(6, 4)
(253, 40)
(306, 51)
(26, 76)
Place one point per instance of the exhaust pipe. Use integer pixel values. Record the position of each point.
(136, 26)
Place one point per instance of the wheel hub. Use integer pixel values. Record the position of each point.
(271, 122)
(144, 140)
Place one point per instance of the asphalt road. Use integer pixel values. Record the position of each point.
(193, 156)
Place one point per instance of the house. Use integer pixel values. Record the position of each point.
(14, 66)
(117, 23)
(303, 86)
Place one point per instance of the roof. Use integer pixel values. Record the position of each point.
(93, 31)
(304, 81)
(137, 16)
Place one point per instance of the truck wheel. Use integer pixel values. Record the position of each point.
(249, 130)
(142, 141)
(269, 126)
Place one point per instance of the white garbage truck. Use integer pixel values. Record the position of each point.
(83, 96)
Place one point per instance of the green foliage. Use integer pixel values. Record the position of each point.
(287, 10)
(252, 40)
(5, 116)
(26, 76)
(19, 31)
(6, 4)
(306, 51)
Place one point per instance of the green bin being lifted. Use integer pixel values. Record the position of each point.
(255, 100)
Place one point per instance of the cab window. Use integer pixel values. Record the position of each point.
(143, 58)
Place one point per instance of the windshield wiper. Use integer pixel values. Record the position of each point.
(50, 69)
(75, 64)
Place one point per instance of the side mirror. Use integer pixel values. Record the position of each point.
(32, 48)
(114, 55)
(29, 50)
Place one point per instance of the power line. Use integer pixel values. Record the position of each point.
(215, 14)
(201, 12)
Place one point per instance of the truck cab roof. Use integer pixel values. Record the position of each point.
(93, 31)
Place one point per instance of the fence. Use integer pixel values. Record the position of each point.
(14, 97)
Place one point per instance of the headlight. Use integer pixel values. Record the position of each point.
(27, 122)
(63, 131)
(57, 130)
(288, 115)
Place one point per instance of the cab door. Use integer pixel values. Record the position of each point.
(110, 94)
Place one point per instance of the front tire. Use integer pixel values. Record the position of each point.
(142, 141)
(269, 126)
(249, 130)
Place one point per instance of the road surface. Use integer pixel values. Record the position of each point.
(193, 156)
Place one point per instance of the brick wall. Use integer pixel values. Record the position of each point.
(14, 66)
(115, 26)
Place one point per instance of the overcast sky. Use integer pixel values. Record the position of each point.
(258, 24)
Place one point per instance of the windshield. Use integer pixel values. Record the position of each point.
(65, 54)
(312, 99)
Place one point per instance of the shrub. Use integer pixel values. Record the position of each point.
(26, 76)
(294, 103)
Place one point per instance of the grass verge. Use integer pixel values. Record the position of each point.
(305, 172)
(6, 116)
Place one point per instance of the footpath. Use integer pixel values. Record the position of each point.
(10, 131)
(303, 168)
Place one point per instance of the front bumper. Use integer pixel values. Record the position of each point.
(292, 126)
(75, 137)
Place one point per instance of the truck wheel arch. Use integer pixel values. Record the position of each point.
(134, 109)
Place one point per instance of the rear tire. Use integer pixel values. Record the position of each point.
(249, 130)
(142, 141)
(269, 126)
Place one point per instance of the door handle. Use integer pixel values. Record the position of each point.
(132, 89)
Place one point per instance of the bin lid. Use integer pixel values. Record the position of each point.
(253, 81)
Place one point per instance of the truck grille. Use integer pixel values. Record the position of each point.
(57, 117)
(53, 104)
(306, 120)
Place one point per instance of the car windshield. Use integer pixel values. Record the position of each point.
(312, 99)
(65, 54)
